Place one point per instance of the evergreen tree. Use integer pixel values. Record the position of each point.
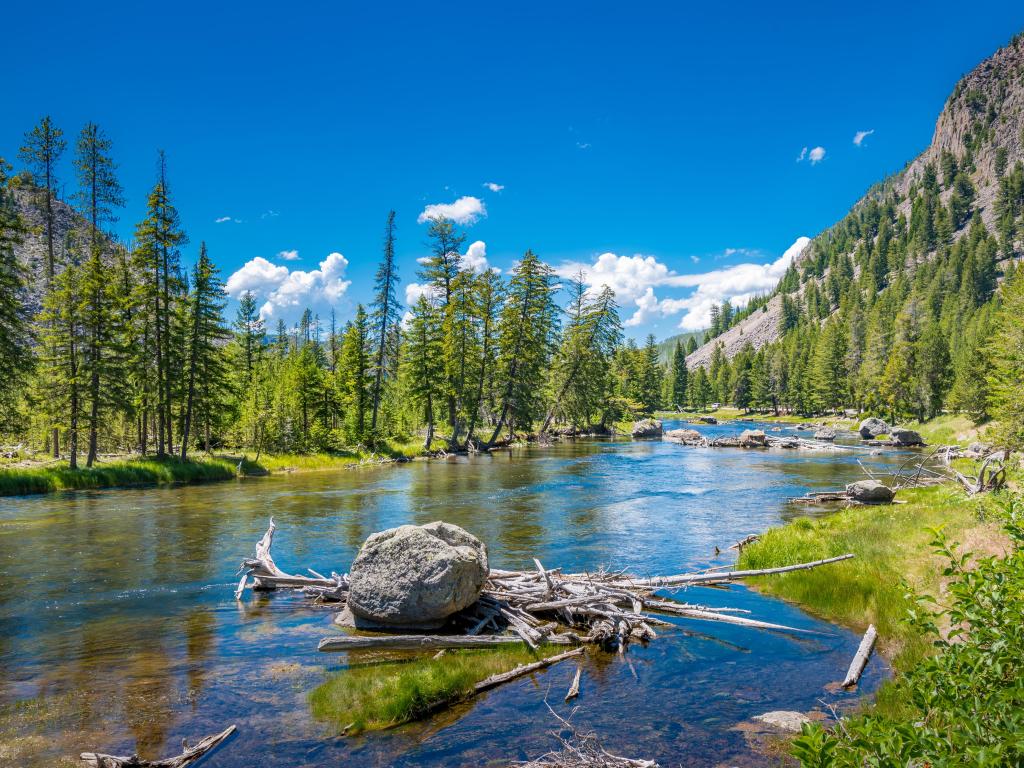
(1006, 351)
(490, 294)
(15, 336)
(386, 312)
(41, 152)
(423, 362)
(357, 376)
(679, 376)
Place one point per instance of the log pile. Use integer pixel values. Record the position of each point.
(536, 606)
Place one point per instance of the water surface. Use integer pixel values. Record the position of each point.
(120, 631)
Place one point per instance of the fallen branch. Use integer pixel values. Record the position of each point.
(698, 578)
(860, 659)
(426, 642)
(523, 669)
(186, 758)
(574, 689)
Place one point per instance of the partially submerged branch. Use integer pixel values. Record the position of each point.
(190, 756)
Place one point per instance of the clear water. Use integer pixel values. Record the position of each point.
(120, 631)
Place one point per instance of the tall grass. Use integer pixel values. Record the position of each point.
(382, 695)
(16, 481)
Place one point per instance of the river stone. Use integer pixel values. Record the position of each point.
(707, 419)
(784, 720)
(978, 450)
(825, 433)
(870, 491)
(416, 575)
(906, 436)
(684, 436)
(872, 428)
(753, 438)
(646, 428)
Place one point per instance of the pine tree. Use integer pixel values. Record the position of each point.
(679, 376)
(15, 337)
(99, 194)
(357, 375)
(42, 151)
(490, 295)
(423, 362)
(527, 332)
(207, 333)
(1006, 351)
(386, 312)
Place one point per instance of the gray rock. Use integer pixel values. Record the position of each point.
(825, 433)
(684, 436)
(906, 436)
(646, 428)
(416, 575)
(870, 491)
(872, 428)
(977, 450)
(784, 720)
(753, 438)
(726, 442)
(707, 419)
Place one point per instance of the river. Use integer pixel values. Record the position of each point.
(120, 631)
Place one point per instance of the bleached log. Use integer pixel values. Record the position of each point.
(574, 689)
(186, 758)
(698, 578)
(860, 659)
(698, 613)
(425, 642)
(524, 669)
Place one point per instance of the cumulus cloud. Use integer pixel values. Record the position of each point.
(226, 219)
(815, 155)
(292, 255)
(634, 278)
(284, 288)
(859, 136)
(466, 211)
(475, 257)
(494, 187)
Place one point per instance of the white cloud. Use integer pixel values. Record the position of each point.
(466, 210)
(269, 214)
(859, 136)
(802, 155)
(634, 278)
(816, 155)
(292, 255)
(283, 288)
(475, 257)
(494, 187)
(226, 219)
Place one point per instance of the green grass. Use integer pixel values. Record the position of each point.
(892, 548)
(383, 695)
(947, 429)
(16, 481)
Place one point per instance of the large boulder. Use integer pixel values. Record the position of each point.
(825, 433)
(870, 491)
(978, 450)
(872, 428)
(646, 428)
(753, 438)
(684, 436)
(416, 576)
(906, 436)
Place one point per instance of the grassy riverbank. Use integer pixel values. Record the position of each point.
(896, 559)
(27, 477)
(379, 696)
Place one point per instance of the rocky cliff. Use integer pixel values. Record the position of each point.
(981, 126)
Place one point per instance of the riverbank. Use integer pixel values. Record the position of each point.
(27, 477)
(896, 557)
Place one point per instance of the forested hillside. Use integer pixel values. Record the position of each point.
(893, 309)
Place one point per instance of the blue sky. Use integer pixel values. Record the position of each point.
(665, 137)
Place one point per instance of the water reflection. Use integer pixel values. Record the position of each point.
(118, 619)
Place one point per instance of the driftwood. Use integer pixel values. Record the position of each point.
(860, 659)
(426, 642)
(190, 756)
(523, 669)
(540, 605)
(574, 689)
(581, 750)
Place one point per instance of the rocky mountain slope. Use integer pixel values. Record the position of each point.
(981, 124)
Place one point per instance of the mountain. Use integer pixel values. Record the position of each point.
(978, 139)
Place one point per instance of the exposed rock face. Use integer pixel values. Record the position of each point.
(685, 436)
(825, 433)
(906, 437)
(416, 576)
(988, 102)
(753, 438)
(871, 428)
(646, 428)
(870, 491)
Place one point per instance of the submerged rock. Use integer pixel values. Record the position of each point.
(825, 433)
(784, 720)
(870, 491)
(646, 428)
(684, 436)
(707, 420)
(872, 428)
(906, 437)
(416, 576)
